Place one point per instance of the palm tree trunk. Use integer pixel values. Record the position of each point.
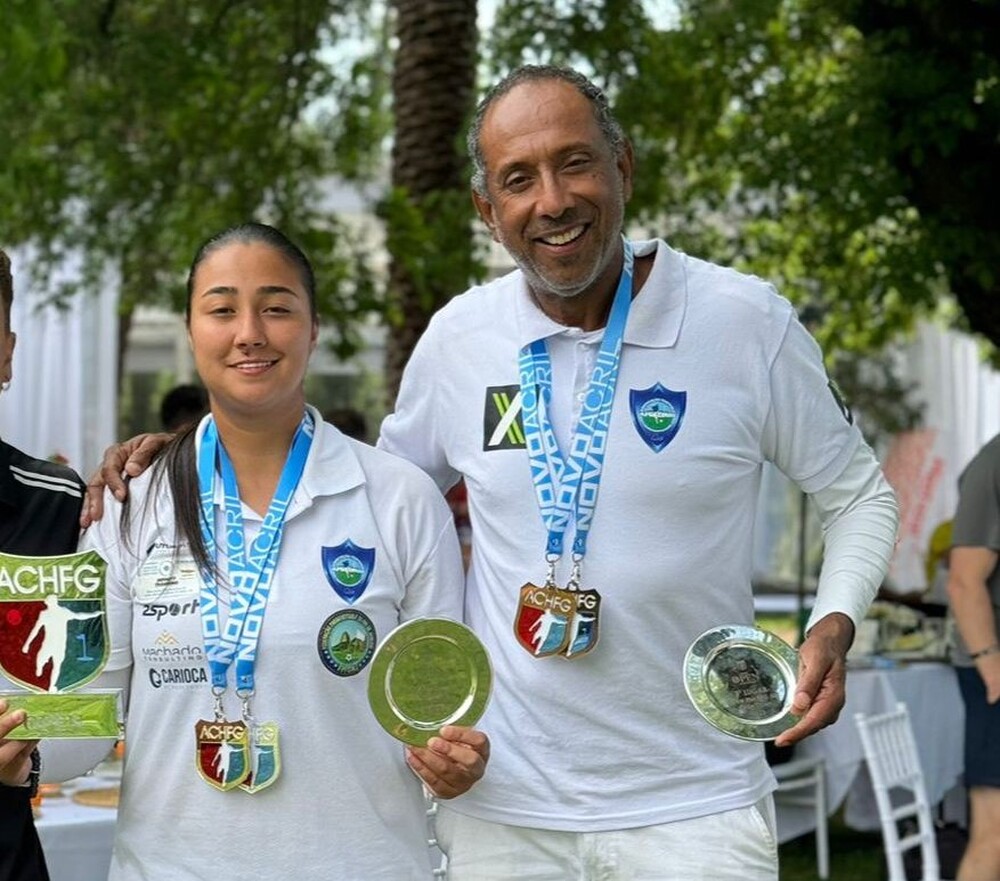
(429, 231)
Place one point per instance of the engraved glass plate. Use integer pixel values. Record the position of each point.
(742, 680)
(428, 673)
(72, 714)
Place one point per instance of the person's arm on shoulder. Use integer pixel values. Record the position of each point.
(860, 518)
(121, 462)
(968, 570)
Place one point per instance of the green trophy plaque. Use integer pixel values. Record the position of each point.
(53, 641)
(428, 673)
(742, 681)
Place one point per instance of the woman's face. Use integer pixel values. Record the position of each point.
(251, 331)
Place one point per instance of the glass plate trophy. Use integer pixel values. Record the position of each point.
(428, 673)
(742, 681)
(53, 641)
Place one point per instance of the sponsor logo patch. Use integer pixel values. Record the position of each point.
(503, 428)
(841, 403)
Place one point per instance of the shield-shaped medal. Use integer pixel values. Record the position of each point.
(657, 413)
(585, 628)
(53, 633)
(223, 752)
(265, 757)
(348, 568)
(544, 616)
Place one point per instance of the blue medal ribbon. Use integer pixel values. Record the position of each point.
(249, 572)
(567, 487)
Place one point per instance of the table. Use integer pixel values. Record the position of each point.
(77, 839)
(930, 692)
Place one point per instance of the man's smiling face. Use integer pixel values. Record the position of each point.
(556, 191)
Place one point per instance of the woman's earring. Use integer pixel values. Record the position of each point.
(4, 385)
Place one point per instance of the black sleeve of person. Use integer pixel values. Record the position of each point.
(40, 505)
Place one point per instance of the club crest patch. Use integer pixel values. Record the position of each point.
(503, 426)
(348, 568)
(658, 413)
(53, 632)
(346, 642)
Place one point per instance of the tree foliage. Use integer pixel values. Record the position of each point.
(845, 149)
(133, 130)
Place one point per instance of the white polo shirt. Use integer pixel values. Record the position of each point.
(345, 803)
(609, 740)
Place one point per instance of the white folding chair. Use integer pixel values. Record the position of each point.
(802, 782)
(432, 843)
(898, 782)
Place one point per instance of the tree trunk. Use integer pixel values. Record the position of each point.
(433, 87)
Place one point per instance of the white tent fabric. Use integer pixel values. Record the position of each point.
(960, 395)
(62, 400)
(961, 398)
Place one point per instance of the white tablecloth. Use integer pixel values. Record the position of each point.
(77, 839)
(937, 713)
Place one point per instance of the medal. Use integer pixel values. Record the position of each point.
(586, 620)
(244, 753)
(265, 757)
(544, 617)
(222, 753)
(565, 621)
(552, 620)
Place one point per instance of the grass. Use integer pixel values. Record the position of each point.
(854, 856)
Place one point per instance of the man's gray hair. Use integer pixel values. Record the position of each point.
(529, 73)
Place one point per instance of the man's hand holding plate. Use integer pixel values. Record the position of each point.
(820, 688)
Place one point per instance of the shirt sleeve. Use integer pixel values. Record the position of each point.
(104, 536)
(415, 430)
(977, 517)
(860, 518)
(435, 585)
(809, 434)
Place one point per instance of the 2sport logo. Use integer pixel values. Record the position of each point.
(503, 426)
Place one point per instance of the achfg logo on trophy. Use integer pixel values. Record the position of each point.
(53, 641)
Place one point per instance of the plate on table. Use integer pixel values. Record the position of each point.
(97, 796)
(742, 681)
(428, 673)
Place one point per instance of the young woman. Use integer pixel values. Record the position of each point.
(251, 573)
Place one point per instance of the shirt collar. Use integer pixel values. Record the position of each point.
(332, 467)
(655, 319)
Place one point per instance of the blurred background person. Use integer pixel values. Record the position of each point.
(181, 406)
(350, 420)
(974, 592)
